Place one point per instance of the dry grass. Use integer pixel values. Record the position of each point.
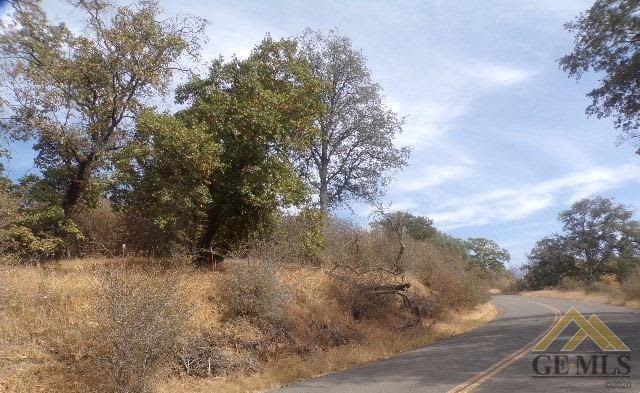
(588, 297)
(379, 344)
(46, 311)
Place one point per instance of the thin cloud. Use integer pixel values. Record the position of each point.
(499, 75)
(434, 176)
(513, 204)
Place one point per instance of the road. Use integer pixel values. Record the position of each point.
(494, 358)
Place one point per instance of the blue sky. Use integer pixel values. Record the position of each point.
(500, 140)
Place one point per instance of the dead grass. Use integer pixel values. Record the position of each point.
(380, 343)
(581, 295)
(45, 310)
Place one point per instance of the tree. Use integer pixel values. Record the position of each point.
(353, 155)
(607, 41)
(259, 112)
(162, 178)
(486, 254)
(77, 93)
(598, 230)
(548, 263)
(418, 227)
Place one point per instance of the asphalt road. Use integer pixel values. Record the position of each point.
(494, 358)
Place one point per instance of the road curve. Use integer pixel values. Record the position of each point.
(494, 358)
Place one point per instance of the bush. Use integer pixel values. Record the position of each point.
(631, 285)
(104, 230)
(251, 288)
(138, 319)
(572, 284)
(446, 272)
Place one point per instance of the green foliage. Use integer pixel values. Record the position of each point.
(598, 230)
(606, 42)
(486, 255)
(311, 239)
(258, 111)
(548, 263)
(39, 229)
(163, 177)
(418, 227)
(75, 93)
(599, 236)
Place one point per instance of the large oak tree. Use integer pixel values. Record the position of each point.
(77, 91)
(354, 154)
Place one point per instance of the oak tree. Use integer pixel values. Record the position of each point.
(607, 42)
(354, 154)
(259, 112)
(77, 91)
(486, 254)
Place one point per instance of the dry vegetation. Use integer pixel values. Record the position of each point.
(607, 290)
(137, 325)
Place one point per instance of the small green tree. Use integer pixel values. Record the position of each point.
(548, 263)
(487, 254)
(162, 177)
(418, 227)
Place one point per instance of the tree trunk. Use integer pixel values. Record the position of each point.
(77, 188)
(324, 169)
(205, 244)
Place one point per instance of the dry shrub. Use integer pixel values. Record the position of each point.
(210, 355)
(104, 229)
(572, 284)
(631, 285)
(445, 271)
(137, 320)
(610, 279)
(251, 288)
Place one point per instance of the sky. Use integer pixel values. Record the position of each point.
(500, 141)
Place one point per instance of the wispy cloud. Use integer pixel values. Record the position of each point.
(498, 74)
(433, 176)
(510, 204)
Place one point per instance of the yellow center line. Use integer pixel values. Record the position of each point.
(472, 383)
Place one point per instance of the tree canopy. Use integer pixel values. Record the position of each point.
(486, 254)
(418, 227)
(607, 42)
(598, 236)
(353, 154)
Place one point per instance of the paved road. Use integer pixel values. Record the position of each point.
(493, 358)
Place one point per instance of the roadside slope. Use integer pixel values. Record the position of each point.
(446, 365)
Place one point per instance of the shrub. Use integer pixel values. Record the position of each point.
(445, 271)
(138, 318)
(610, 279)
(571, 284)
(251, 288)
(104, 230)
(631, 285)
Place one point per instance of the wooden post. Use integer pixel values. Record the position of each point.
(124, 250)
(213, 259)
